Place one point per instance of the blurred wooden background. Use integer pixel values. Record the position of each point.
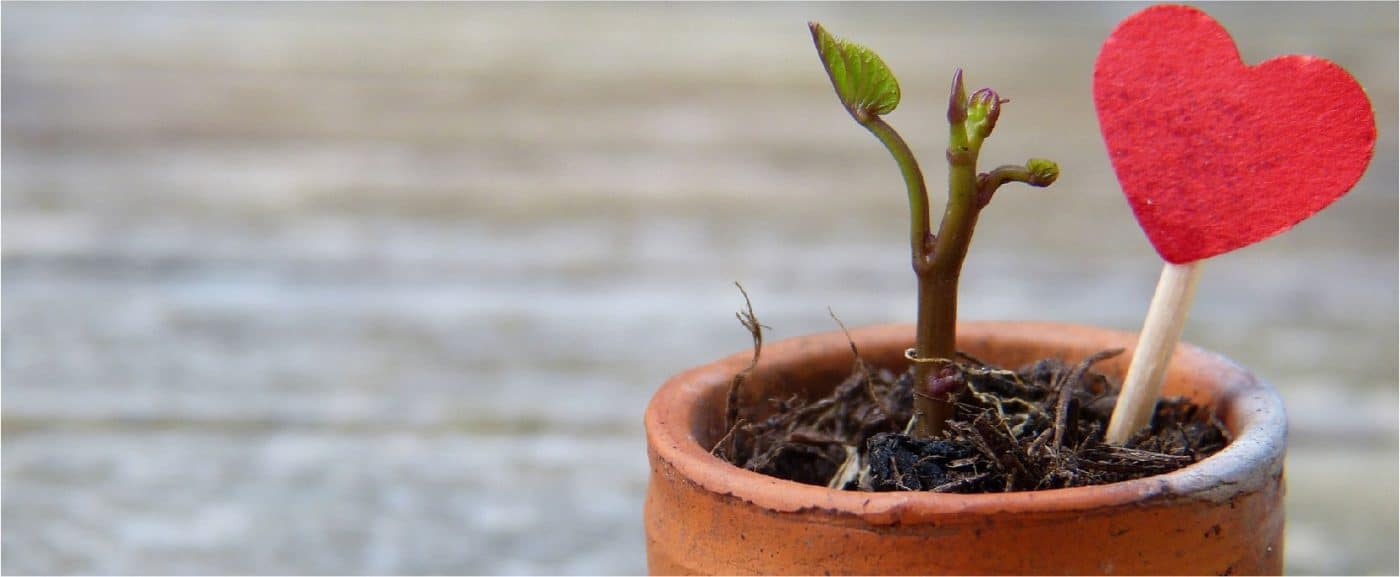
(327, 288)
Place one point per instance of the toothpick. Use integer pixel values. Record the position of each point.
(1160, 332)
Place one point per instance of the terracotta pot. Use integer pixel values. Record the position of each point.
(1221, 516)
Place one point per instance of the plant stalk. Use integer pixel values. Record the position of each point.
(919, 235)
(937, 262)
(938, 291)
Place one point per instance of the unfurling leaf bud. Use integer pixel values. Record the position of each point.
(983, 109)
(1043, 172)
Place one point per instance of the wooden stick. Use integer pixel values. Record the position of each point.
(1160, 332)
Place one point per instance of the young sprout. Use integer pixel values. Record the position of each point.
(868, 91)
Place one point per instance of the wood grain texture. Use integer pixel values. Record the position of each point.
(1166, 317)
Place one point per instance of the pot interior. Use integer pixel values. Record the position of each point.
(810, 367)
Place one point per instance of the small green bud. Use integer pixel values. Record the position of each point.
(1043, 172)
(983, 109)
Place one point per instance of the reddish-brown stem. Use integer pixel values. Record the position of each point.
(935, 379)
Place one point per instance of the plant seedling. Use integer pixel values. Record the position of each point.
(869, 91)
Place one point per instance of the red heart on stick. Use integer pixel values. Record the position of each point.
(1212, 154)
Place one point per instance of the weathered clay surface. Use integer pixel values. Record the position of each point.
(1223, 515)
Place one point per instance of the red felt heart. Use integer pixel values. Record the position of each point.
(1214, 155)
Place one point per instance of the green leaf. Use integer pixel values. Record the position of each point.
(864, 84)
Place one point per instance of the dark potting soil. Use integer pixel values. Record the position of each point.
(1039, 427)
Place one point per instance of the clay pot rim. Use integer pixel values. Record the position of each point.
(1259, 440)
